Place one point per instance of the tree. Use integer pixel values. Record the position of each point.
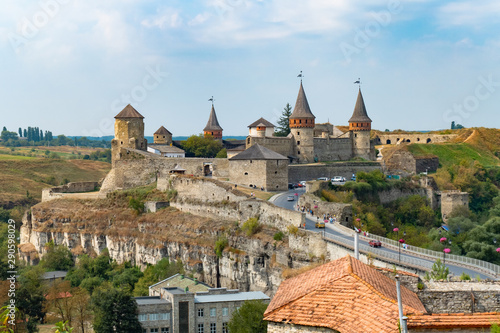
(155, 273)
(20, 131)
(82, 312)
(6, 135)
(249, 318)
(30, 297)
(439, 271)
(202, 146)
(57, 258)
(60, 300)
(115, 311)
(63, 327)
(283, 128)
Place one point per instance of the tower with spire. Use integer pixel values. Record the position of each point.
(301, 123)
(360, 126)
(213, 128)
(129, 132)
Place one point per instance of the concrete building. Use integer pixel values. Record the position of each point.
(180, 304)
(260, 167)
(311, 142)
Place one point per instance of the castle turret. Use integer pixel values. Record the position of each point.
(213, 128)
(302, 128)
(129, 132)
(360, 126)
(261, 127)
(162, 136)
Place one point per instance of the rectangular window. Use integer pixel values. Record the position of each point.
(213, 312)
(153, 316)
(224, 328)
(165, 330)
(201, 329)
(200, 312)
(153, 330)
(298, 143)
(213, 327)
(165, 316)
(143, 317)
(144, 330)
(225, 312)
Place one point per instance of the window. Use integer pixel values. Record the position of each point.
(144, 330)
(165, 330)
(165, 316)
(143, 317)
(213, 327)
(153, 316)
(153, 330)
(298, 133)
(298, 152)
(224, 328)
(225, 312)
(246, 173)
(213, 312)
(201, 329)
(298, 143)
(200, 312)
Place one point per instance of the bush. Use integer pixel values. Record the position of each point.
(136, 205)
(220, 245)
(251, 226)
(292, 230)
(465, 277)
(278, 236)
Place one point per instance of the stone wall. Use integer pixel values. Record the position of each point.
(297, 172)
(390, 138)
(340, 211)
(451, 200)
(73, 187)
(395, 194)
(281, 145)
(402, 162)
(333, 149)
(272, 175)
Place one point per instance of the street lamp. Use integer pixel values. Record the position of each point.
(446, 250)
(399, 243)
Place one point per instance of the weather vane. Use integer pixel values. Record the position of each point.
(301, 76)
(358, 82)
(212, 100)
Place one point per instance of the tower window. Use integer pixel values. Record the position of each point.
(306, 121)
(355, 135)
(248, 141)
(298, 152)
(298, 133)
(164, 136)
(298, 143)
(294, 121)
(300, 121)
(246, 173)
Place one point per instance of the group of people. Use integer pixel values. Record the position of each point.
(326, 217)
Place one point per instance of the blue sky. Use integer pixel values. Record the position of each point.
(71, 65)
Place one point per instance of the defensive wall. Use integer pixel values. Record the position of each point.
(392, 139)
(281, 145)
(402, 162)
(216, 199)
(58, 192)
(299, 172)
(451, 200)
(340, 211)
(333, 149)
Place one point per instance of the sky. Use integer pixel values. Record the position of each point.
(70, 66)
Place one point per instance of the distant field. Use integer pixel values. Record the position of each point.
(450, 154)
(19, 174)
(67, 152)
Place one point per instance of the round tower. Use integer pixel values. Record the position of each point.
(213, 128)
(360, 126)
(129, 132)
(301, 123)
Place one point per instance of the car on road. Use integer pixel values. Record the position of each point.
(319, 224)
(323, 178)
(375, 243)
(338, 179)
(290, 198)
(303, 183)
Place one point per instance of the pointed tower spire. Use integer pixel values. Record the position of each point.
(213, 128)
(360, 120)
(302, 115)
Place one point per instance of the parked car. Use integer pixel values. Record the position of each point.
(323, 178)
(375, 243)
(290, 186)
(319, 224)
(338, 179)
(303, 183)
(290, 198)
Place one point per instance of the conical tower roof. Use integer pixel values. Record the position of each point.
(162, 131)
(213, 123)
(302, 109)
(129, 112)
(359, 114)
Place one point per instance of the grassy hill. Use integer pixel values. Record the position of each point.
(20, 174)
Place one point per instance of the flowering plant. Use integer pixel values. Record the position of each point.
(443, 239)
(447, 250)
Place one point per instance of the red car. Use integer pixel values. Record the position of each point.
(375, 243)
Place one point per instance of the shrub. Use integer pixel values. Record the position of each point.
(220, 245)
(251, 226)
(292, 230)
(278, 236)
(420, 286)
(464, 277)
(136, 205)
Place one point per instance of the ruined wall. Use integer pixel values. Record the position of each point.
(73, 187)
(297, 172)
(389, 138)
(341, 212)
(451, 200)
(395, 194)
(402, 162)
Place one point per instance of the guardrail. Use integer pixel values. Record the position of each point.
(476, 264)
(392, 257)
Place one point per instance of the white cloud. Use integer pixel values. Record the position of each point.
(166, 18)
(469, 13)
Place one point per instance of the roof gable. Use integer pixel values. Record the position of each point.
(212, 123)
(302, 109)
(258, 152)
(261, 121)
(359, 114)
(129, 112)
(162, 131)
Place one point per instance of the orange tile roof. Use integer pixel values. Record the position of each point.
(454, 320)
(345, 295)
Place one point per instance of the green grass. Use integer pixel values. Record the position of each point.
(451, 154)
(14, 157)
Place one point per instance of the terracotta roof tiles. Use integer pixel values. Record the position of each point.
(454, 320)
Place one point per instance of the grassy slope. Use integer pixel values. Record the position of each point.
(19, 174)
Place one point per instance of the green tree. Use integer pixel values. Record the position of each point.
(30, 297)
(222, 153)
(201, 146)
(115, 311)
(156, 273)
(283, 128)
(6, 136)
(62, 327)
(249, 318)
(57, 258)
(439, 271)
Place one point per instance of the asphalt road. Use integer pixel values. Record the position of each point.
(281, 200)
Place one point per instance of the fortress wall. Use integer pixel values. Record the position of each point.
(327, 149)
(395, 194)
(281, 145)
(297, 172)
(414, 138)
(74, 187)
(341, 211)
